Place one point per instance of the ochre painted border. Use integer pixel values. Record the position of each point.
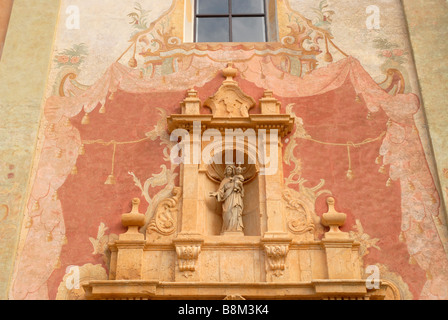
(24, 71)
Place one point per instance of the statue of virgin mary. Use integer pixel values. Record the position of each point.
(231, 193)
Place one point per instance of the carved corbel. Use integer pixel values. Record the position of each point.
(187, 255)
(276, 254)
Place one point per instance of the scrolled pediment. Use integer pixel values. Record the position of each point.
(230, 101)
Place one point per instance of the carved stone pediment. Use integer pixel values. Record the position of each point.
(230, 101)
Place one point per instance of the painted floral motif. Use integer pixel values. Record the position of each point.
(139, 17)
(72, 57)
(364, 239)
(100, 244)
(324, 15)
(392, 52)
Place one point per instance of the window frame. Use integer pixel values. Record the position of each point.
(230, 15)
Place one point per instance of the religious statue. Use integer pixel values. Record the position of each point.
(231, 194)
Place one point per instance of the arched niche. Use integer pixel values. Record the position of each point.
(243, 154)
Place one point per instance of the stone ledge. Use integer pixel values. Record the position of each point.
(318, 289)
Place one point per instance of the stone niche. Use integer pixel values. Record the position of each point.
(184, 251)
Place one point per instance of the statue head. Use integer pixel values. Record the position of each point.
(239, 170)
(230, 171)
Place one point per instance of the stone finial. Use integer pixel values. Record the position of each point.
(133, 221)
(334, 220)
(191, 104)
(229, 72)
(268, 103)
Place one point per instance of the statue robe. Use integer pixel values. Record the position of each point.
(232, 207)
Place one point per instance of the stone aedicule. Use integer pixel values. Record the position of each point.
(200, 262)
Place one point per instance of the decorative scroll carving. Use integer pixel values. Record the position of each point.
(234, 297)
(187, 256)
(230, 101)
(299, 220)
(391, 290)
(276, 254)
(165, 216)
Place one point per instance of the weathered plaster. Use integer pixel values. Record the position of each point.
(23, 75)
(5, 12)
(428, 28)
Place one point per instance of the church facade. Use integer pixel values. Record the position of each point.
(202, 149)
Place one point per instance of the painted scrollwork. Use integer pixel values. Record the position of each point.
(165, 217)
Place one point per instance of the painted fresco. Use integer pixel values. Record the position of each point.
(359, 135)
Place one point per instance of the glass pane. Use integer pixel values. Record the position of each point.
(248, 29)
(212, 30)
(212, 6)
(247, 6)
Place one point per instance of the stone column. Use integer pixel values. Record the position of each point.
(276, 219)
(189, 241)
(275, 240)
(190, 171)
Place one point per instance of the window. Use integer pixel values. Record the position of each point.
(230, 21)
